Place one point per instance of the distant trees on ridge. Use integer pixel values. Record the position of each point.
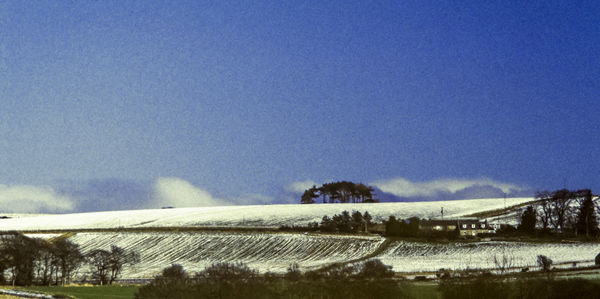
(342, 192)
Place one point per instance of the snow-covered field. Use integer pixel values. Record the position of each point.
(263, 251)
(274, 252)
(424, 257)
(251, 216)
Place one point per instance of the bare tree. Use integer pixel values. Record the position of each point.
(545, 211)
(99, 260)
(560, 203)
(120, 257)
(67, 258)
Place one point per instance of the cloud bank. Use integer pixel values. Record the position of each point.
(33, 199)
(449, 188)
(118, 194)
(176, 192)
(300, 186)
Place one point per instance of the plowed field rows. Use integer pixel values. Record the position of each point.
(266, 252)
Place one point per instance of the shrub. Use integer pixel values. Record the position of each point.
(228, 280)
(375, 269)
(544, 262)
(173, 282)
(293, 272)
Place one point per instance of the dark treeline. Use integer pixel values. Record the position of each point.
(531, 288)
(561, 212)
(342, 192)
(32, 261)
(402, 228)
(371, 279)
(338, 223)
(346, 223)
(411, 228)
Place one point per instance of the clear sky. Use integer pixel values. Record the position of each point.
(125, 104)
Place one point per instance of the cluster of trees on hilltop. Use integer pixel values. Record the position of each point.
(342, 192)
(30, 261)
(562, 211)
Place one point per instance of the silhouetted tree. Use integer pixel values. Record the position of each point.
(343, 192)
(560, 203)
(358, 222)
(293, 272)
(19, 253)
(545, 212)
(310, 195)
(327, 224)
(528, 221)
(173, 282)
(544, 262)
(343, 222)
(119, 258)
(587, 223)
(375, 269)
(99, 260)
(367, 217)
(45, 262)
(67, 257)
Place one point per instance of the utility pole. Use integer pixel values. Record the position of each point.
(442, 213)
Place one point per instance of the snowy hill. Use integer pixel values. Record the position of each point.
(266, 216)
(275, 251)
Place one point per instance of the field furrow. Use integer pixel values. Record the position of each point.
(425, 257)
(266, 252)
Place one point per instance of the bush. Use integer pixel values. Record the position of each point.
(173, 282)
(293, 272)
(544, 262)
(375, 269)
(228, 280)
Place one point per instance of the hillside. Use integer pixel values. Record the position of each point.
(197, 237)
(265, 216)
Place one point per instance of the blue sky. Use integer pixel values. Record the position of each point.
(113, 104)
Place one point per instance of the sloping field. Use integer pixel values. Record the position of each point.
(264, 251)
(270, 216)
(425, 257)
(274, 252)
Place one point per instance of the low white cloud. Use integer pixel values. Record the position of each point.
(404, 188)
(33, 199)
(176, 192)
(300, 186)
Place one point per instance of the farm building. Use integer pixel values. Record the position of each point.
(466, 226)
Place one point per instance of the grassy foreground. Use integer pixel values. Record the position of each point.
(415, 290)
(86, 292)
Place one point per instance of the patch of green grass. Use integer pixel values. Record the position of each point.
(88, 292)
(422, 290)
